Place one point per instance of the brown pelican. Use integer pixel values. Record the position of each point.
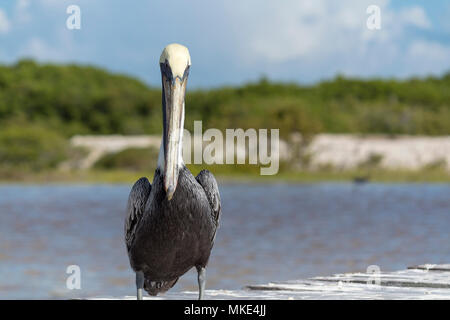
(171, 224)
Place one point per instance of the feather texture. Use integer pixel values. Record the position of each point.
(135, 208)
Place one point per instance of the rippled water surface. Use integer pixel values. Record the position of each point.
(268, 232)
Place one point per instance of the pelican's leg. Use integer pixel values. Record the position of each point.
(201, 282)
(139, 284)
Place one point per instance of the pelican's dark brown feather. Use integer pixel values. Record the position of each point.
(174, 236)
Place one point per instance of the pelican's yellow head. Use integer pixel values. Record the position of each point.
(176, 59)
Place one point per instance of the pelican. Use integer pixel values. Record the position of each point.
(171, 224)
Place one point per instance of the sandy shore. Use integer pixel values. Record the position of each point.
(342, 151)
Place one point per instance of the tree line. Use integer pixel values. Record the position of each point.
(42, 105)
(76, 99)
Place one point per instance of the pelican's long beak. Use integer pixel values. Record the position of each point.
(175, 62)
(173, 110)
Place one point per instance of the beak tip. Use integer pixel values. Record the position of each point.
(170, 191)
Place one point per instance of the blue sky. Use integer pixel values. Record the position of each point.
(234, 42)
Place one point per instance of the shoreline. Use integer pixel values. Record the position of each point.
(288, 177)
(343, 152)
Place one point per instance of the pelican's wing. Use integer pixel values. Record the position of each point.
(135, 208)
(208, 182)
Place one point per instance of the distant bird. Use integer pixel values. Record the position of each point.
(171, 224)
(361, 179)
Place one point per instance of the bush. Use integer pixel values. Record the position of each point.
(88, 100)
(132, 159)
(31, 147)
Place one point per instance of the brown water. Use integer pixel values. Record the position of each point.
(268, 232)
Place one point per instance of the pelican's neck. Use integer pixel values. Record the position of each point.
(161, 158)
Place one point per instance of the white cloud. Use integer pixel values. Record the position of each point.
(37, 48)
(414, 16)
(40, 49)
(4, 22)
(22, 13)
(425, 49)
(428, 57)
(304, 40)
(53, 3)
(23, 4)
(302, 29)
(327, 37)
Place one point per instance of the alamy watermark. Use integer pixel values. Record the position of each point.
(73, 22)
(239, 146)
(374, 20)
(373, 280)
(74, 279)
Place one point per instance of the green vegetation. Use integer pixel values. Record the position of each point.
(42, 105)
(31, 148)
(75, 100)
(132, 159)
(82, 99)
(229, 174)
